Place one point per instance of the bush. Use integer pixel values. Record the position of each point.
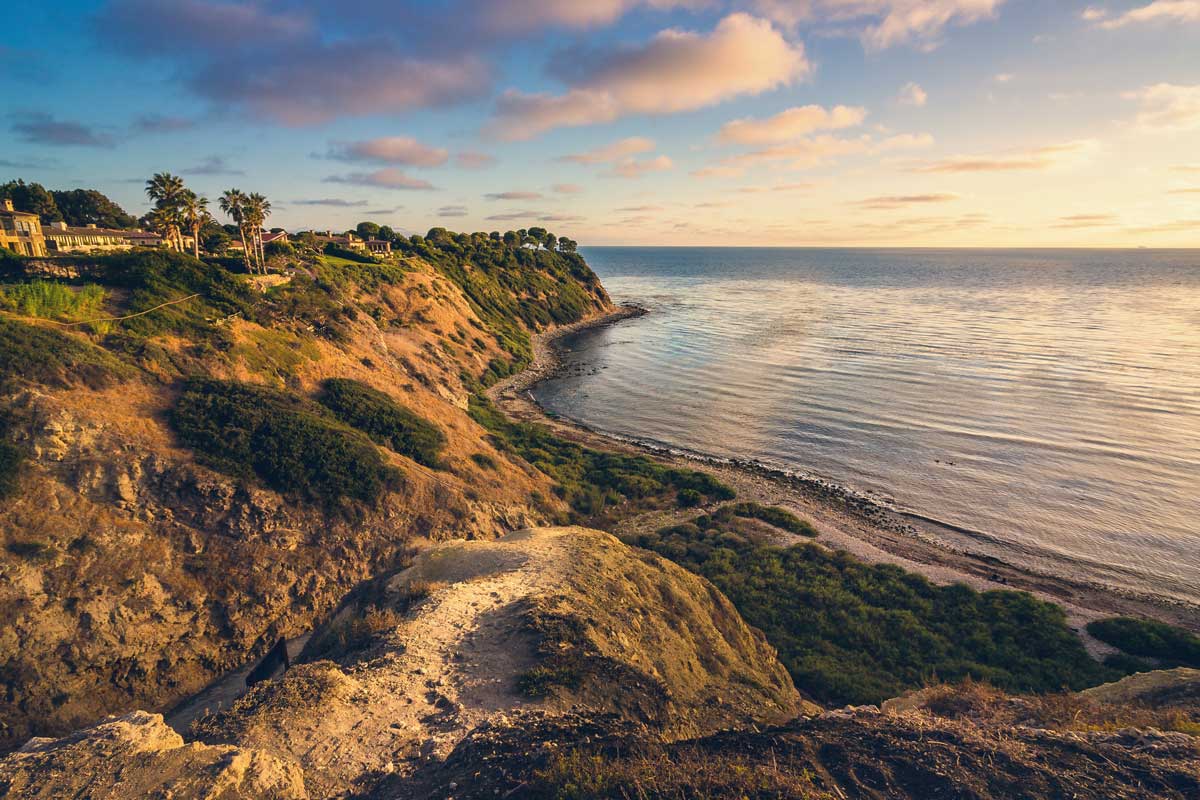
(332, 249)
(41, 355)
(592, 481)
(11, 458)
(54, 300)
(779, 517)
(1171, 647)
(291, 444)
(384, 420)
(850, 632)
(689, 498)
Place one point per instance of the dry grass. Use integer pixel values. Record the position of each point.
(681, 774)
(984, 704)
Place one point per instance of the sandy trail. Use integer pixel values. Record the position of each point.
(450, 664)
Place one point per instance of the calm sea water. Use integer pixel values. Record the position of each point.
(1048, 402)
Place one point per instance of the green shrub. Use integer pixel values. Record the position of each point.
(289, 443)
(850, 632)
(332, 249)
(155, 277)
(1170, 646)
(512, 289)
(40, 355)
(689, 498)
(384, 420)
(11, 458)
(592, 481)
(485, 461)
(54, 300)
(779, 517)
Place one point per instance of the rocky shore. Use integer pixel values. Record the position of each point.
(845, 520)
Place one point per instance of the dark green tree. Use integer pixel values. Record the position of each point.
(83, 207)
(33, 198)
(367, 230)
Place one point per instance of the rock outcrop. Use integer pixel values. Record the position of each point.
(549, 619)
(137, 755)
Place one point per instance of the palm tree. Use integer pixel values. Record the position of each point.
(258, 209)
(161, 221)
(166, 190)
(233, 205)
(194, 210)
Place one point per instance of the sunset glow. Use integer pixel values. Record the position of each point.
(707, 122)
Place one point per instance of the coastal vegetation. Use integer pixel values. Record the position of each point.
(849, 632)
(593, 482)
(53, 300)
(384, 420)
(1143, 638)
(291, 444)
(40, 355)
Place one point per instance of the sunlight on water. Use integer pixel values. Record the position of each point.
(1049, 400)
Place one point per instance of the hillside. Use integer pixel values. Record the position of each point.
(196, 463)
(143, 552)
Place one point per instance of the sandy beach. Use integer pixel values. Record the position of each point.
(845, 521)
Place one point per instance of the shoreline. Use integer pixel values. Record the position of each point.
(845, 520)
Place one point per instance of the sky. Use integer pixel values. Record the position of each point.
(914, 123)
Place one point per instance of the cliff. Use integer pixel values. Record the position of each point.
(137, 565)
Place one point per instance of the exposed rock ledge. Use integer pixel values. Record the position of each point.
(137, 755)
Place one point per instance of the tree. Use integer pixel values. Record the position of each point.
(194, 211)
(31, 198)
(258, 208)
(551, 241)
(83, 207)
(367, 230)
(233, 205)
(166, 190)
(566, 245)
(163, 221)
(387, 234)
(537, 235)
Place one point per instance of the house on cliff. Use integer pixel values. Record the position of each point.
(21, 231)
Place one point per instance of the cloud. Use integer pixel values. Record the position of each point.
(29, 163)
(44, 129)
(675, 71)
(514, 196)
(790, 124)
(612, 152)
(390, 150)
(172, 27)
(512, 216)
(639, 209)
(905, 141)
(1158, 11)
(321, 82)
(1168, 107)
(332, 202)
(890, 202)
(1040, 158)
(1177, 226)
(1086, 221)
(213, 165)
(1186, 168)
(388, 178)
(517, 16)
(781, 187)
(469, 159)
(802, 153)
(635, 168)
(452, 211)
(560, 218)
(567, 188)
(157, 123)
(912, 95)
(883, 23)
(1004, 77)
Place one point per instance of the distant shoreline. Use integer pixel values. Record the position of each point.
(846, 521)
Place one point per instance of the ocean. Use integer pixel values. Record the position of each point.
(1046, 403)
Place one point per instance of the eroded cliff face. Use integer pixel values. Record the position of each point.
(131, 574)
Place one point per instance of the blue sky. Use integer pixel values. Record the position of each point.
(789, 122)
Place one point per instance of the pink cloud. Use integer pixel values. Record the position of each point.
(617, 150)
(391, 150)
(675, 71)
(389, 178)
(790, 124)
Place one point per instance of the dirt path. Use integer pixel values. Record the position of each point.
(452, 663)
